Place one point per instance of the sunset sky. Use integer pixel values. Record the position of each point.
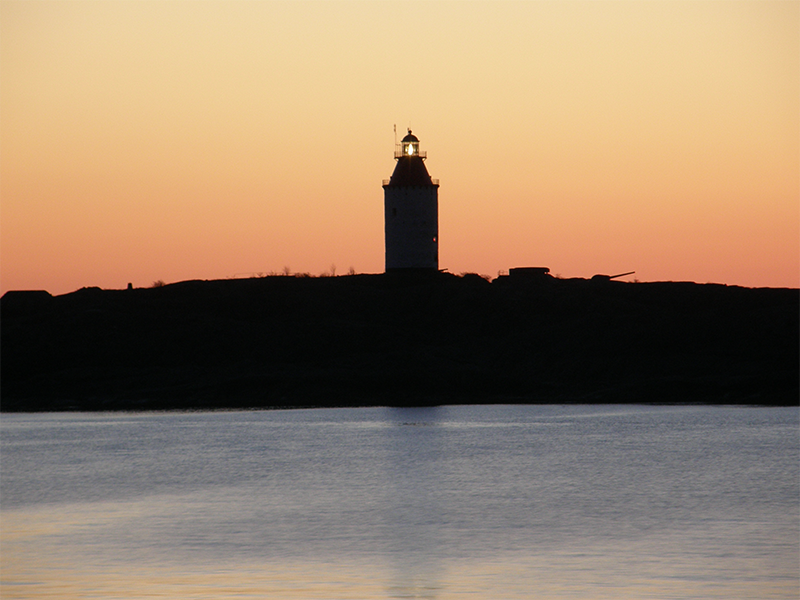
(166, 140)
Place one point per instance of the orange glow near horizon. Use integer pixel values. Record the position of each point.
(173, 141)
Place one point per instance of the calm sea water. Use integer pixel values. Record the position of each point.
(479, 502)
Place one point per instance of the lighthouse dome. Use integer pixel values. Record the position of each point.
(410, 137)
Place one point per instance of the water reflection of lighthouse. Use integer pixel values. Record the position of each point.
(415, 513)
(411, 211)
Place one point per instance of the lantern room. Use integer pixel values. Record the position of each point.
(409, 146)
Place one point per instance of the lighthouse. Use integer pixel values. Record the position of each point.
(411, 211)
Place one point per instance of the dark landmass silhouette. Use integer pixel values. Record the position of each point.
(361, 340)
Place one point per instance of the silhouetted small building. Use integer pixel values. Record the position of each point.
(529, 273)
(25, 299)
(411, 211)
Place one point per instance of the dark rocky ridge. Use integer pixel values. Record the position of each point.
(383, 340)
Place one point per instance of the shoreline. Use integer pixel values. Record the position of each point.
(383, 340)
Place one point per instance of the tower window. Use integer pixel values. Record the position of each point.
(394, 212)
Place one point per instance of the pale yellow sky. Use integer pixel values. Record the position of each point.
(178, 140)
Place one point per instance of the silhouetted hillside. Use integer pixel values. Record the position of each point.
(376, 339)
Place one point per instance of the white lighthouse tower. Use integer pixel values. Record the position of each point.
(411, 211)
